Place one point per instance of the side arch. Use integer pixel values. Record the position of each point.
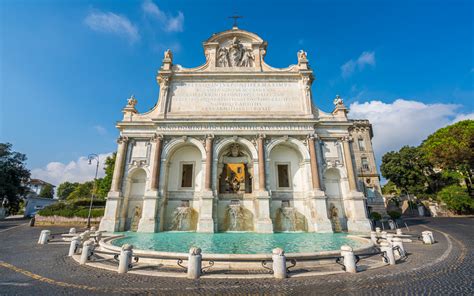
(292, 142)
(176, 143)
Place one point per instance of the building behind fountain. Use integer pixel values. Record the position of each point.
(237, 145)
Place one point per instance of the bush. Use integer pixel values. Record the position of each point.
(86, 202)
(456, 199)
(70, 210)
(375, 216)
(394, 215)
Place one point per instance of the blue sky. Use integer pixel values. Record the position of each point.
(67, 67)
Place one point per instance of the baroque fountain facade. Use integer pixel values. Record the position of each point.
(237, 145)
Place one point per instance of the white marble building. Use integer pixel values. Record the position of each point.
(236, 144)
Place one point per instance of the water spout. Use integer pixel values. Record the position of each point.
(288, 218)
(182, 219)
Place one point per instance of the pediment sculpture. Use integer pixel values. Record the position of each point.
(235, 55)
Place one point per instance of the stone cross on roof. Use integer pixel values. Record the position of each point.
(235, 17)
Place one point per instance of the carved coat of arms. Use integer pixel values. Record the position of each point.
(235, 55)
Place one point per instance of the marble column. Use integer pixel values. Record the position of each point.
(261, 162)
(155, 174)
(262, 203)
(348, 163)
(354, 203)
(318, 198)
(208, 181)
(119, 164)
(148, 221)
(314, 164)
(206, 221)
(111, 220)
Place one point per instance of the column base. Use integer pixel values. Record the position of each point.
(205, 225)
(359, 225)
(147, 225)
(205, 221)
(321, 222)
(264, 226)
(110, 222)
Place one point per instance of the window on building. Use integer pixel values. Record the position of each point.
(283, 176)
(365, 163)
(361, 144)
(187, 175)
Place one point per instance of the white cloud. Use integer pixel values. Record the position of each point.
(100, 130)
(74, 171)
(108, 22)
(171, 24)
(461, 117)
(366, 58)
(404, 122)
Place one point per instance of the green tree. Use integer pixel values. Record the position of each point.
(407, 169)
(47, 191)
(456, 199)
(14, 176)
(83, 190)
(66, 188)
(103, 186)
(452, 148)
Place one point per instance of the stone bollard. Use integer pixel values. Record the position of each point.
(86, 251)
(44, 237)
(98, 236)
(387, 248)
(384, 234)
(93, 229)
(72, 230)
(398, 242)
(279, 263)
(373, 237)
(349, 259)
(377, 230)
(431, 235)
(399, 231)
(85, 236)
(392, 224)
(194, 263)
(427, 237)
(75, 243)
(389, 237)
(125, 258)
(32, 222)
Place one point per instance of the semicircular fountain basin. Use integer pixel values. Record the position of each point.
(238, 242)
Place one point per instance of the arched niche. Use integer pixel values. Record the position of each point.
(136, 182)
(335, 206)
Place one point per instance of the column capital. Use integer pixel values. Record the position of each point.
(122, 139)
(209, 136)
(156, 137)
(346, 139)
(261, 136)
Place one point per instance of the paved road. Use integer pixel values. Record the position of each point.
(441, 269)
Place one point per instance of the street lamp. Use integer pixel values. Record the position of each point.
(90, 158)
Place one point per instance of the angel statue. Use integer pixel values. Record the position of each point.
(222, 57)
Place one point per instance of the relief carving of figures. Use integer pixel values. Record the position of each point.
(235, 55)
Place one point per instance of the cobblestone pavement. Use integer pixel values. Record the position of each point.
(444, 268)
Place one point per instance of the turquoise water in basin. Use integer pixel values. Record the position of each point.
(236, 242)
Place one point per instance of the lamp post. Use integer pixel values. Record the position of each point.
(96, 158)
